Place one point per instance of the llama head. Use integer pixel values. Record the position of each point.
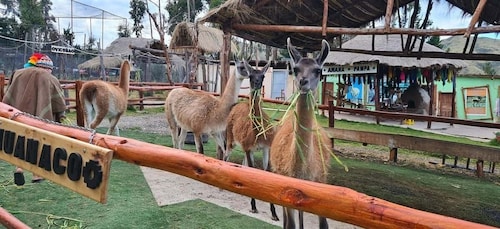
(307, 71)
(257, 76)
(242, 69)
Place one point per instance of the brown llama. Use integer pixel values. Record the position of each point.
(300, 148)
(201, 112)
(248, 126)
(100, 99)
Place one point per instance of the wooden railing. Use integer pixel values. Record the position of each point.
(395, 141)
(338, 203)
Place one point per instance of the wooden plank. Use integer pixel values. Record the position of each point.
(79, 166)
(417, 143)
(388, 15)
(475, 17)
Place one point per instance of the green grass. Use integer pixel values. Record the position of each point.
(131, 204)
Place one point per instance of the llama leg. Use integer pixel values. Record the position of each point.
(99, 116)
(220, 140)
(322, 222)
(250, 163)
(274, 216)
(198, 142)
(181, 138)
(301, 219)
(88, 113)
(174, 133)
(288, 221)
(229, 144)
(265, 159)
(113, 127)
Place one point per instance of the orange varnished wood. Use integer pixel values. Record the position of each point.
(338, 203)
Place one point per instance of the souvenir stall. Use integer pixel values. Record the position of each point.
(400, 84)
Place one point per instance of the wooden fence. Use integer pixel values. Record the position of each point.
(395, 141)
(338, 203)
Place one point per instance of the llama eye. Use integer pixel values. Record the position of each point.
(318, 71)
(296, 70)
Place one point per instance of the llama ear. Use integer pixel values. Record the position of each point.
(264, 69)
(292, 51)
(325, 50)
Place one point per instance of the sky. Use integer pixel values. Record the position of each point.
(84, 26)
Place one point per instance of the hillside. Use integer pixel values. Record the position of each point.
(483, 45)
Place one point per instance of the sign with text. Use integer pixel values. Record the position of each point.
(357, 68)
(79, 166)
(62, 49)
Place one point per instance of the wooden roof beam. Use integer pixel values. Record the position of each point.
(475, 17)
(362, 31)
(388, 14)
(424, 54)
(325, 17)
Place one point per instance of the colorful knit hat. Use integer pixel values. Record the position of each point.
(39, 60)
(45, 62)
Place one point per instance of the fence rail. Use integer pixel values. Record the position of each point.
(338, 203)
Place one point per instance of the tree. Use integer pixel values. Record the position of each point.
(182, 10)
(138, 9)
(69, 36)
(436, 41)
(214, 3)
(488, 69)
(123, 31)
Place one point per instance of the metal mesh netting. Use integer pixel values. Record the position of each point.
(83, 11)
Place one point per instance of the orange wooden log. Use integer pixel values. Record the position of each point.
(338, 203)
(9, 221)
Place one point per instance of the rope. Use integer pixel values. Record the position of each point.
(92, 131)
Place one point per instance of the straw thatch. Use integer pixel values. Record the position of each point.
(388, 43)
(210, 40)
(341, 13)
(116, 52)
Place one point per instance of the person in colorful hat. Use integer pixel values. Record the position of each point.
(36, 91)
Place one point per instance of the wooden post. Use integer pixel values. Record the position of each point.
(141, 100)
(2, 86)
(455, 162)
(431, 104)
(331, 114)
(393, 155)
(479, 168)
(443, 160)
(468, 163)
(79, 111)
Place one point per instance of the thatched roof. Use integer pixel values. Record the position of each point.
(388, 43)
(116, 52)
(95, 63)
(301, 13)
(210, 39)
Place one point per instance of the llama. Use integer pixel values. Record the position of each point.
(300, 147)
(249, 127)
(101, 100)
(201, 112)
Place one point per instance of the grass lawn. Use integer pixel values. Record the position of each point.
(131, 204)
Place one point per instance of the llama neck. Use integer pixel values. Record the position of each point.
(304, 129)
(255, 103)
(231, 91)
(123, 84)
